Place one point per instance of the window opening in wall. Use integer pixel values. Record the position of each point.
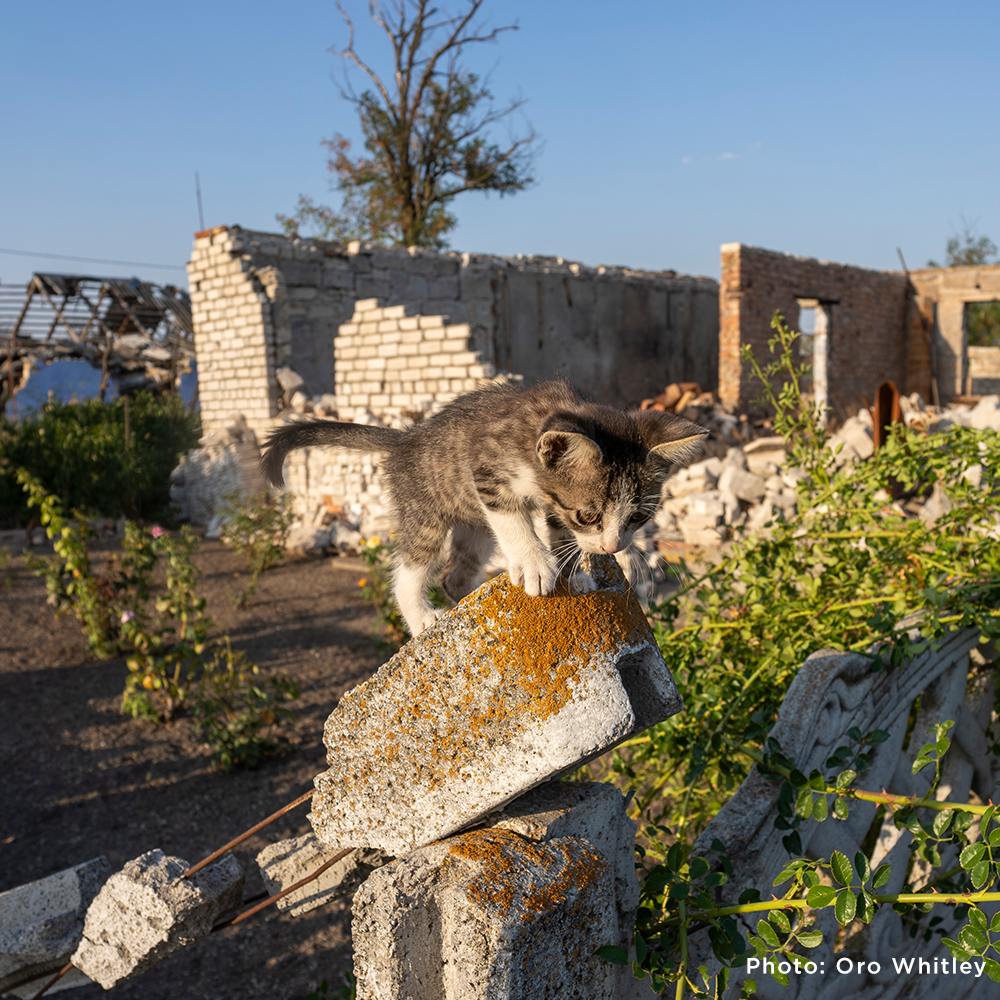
(807, 331)
(982, 322)
(982, 337)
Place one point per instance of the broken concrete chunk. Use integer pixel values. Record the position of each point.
(146, 911)
(484, 915)
(288, 861)
(505, 691)
(41, 923)
(746, 485)
(985, 414)
(305, 541)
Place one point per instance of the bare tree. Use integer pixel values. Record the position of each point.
(426, 133)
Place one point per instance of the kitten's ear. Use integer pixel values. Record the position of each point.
(671, 440)
(681, 451)
(567, 447)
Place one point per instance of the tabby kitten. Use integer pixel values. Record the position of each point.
(496, 464)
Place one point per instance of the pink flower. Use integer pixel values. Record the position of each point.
(127, 616)
(158, 531)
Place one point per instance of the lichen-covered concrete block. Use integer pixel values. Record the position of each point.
(41, 923)
(288, 861)
(487, 914)
(503, 692)
(146, 911)
(593, 810)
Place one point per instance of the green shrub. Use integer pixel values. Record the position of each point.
(77, 451)
(257, 527)
(851, 570)
(174, 661)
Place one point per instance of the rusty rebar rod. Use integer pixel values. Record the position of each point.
(284, 892)
(55, 979)
(249, 833)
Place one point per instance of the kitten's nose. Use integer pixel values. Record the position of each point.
(613, 544)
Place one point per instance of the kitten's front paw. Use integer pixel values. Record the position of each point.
(426, 620)
(537, 575)
(581, 583)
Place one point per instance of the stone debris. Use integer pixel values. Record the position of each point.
(754, 482)
(41, 924)
(146, 911)
(288, 861)
(476, 916)
(502, 693)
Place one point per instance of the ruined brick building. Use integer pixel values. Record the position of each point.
(262, 303)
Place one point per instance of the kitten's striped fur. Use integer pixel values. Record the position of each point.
(509, 464)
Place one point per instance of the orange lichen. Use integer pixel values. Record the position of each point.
(499, 663)
(519, 878)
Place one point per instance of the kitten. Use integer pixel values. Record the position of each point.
(493, 464)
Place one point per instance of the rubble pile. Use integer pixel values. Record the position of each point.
(753, 480)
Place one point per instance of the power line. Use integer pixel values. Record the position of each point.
(90, 260)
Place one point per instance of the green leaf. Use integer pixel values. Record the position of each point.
(992, 969)
(839, 808)
(942, 821)
(920, 763)
(699, 867)
(613, 954)
(816, 780)
(866, 906)
(841, 866)
(749, 896)
(877, 736)
(979, 874)
(803, 805)
(978, 920)
(846, 906)
(862, 867)
(810, 939)
(780, 977)
(819, 809)
(780, 920)
(855, 734)
(680, 890)
(821, 895)
(995, 923)
(972, 939)
(971, 855)
(641, 950)
(766, 932)
(957, 951)
(882, 875)
(942, 746)
(846, 777)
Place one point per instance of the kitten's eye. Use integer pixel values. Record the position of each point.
(588, 517)
(639, 517)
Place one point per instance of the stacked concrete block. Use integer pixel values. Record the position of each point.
(289, 861)
(488, 914)
(147, 910)
(392, 362)
(41, 924)
(502, 693)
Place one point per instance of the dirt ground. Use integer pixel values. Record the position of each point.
(78, 779)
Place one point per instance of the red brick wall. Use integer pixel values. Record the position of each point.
(868, 331)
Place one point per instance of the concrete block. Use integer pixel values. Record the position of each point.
(288, 861)
(146, 911)
(488, 914)
(41, 924)
(746, 485)
(502, 693)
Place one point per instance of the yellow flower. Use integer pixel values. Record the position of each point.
(374, 542)
(362, 583)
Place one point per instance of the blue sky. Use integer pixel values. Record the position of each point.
(839, 131)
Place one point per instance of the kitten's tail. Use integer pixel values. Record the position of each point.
(317, 433)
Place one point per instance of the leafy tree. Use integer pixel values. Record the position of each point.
(426, 133)
(967, 249)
